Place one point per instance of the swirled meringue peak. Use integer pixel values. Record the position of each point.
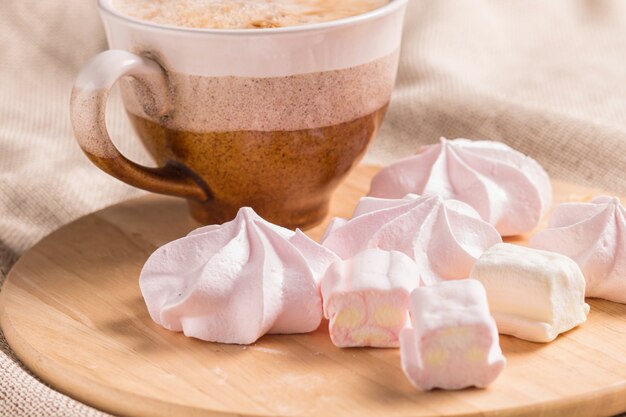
(444, 237)
(235, 282)
(594, 235)
(508, 189)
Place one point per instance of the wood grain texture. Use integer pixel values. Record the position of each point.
(72, 311)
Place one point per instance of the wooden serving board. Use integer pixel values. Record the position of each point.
(72, 311)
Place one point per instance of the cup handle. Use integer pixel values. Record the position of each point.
(87, 109)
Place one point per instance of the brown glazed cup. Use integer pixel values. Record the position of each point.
(272, 119)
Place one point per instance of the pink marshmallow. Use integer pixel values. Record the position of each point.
(454, 340)
(366, 298)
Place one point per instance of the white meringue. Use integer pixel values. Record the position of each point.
(508, 189)
(366, 298)
(235, 282)
(594, 235)
(444, 237)
(533, 294)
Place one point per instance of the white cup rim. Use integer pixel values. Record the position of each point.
(107, 7)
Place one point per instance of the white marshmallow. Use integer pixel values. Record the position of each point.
(454, 341)
(534, 295)
(366, 298)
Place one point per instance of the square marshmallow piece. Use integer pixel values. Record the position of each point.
(533, 294)
(366, 298)
(454, 340)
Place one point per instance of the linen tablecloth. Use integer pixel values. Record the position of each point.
(547, 77)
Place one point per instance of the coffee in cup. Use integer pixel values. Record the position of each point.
(268, 118)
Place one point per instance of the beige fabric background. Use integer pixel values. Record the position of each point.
(547, 77)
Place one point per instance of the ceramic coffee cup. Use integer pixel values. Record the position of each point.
(273, 119)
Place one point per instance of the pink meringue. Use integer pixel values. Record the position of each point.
(235, 282)
(594, 235)
(508, 189)
(454, 341)
(444, 237)
(366, 298)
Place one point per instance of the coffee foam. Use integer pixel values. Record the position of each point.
(238, 14)
(303, 101)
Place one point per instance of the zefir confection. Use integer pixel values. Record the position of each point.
(508, 189)
(592, 234)
(235, 282)
(453, 343)
(533, 294)
(366, 298)
(444, 237)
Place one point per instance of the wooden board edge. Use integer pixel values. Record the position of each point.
(91, 392)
